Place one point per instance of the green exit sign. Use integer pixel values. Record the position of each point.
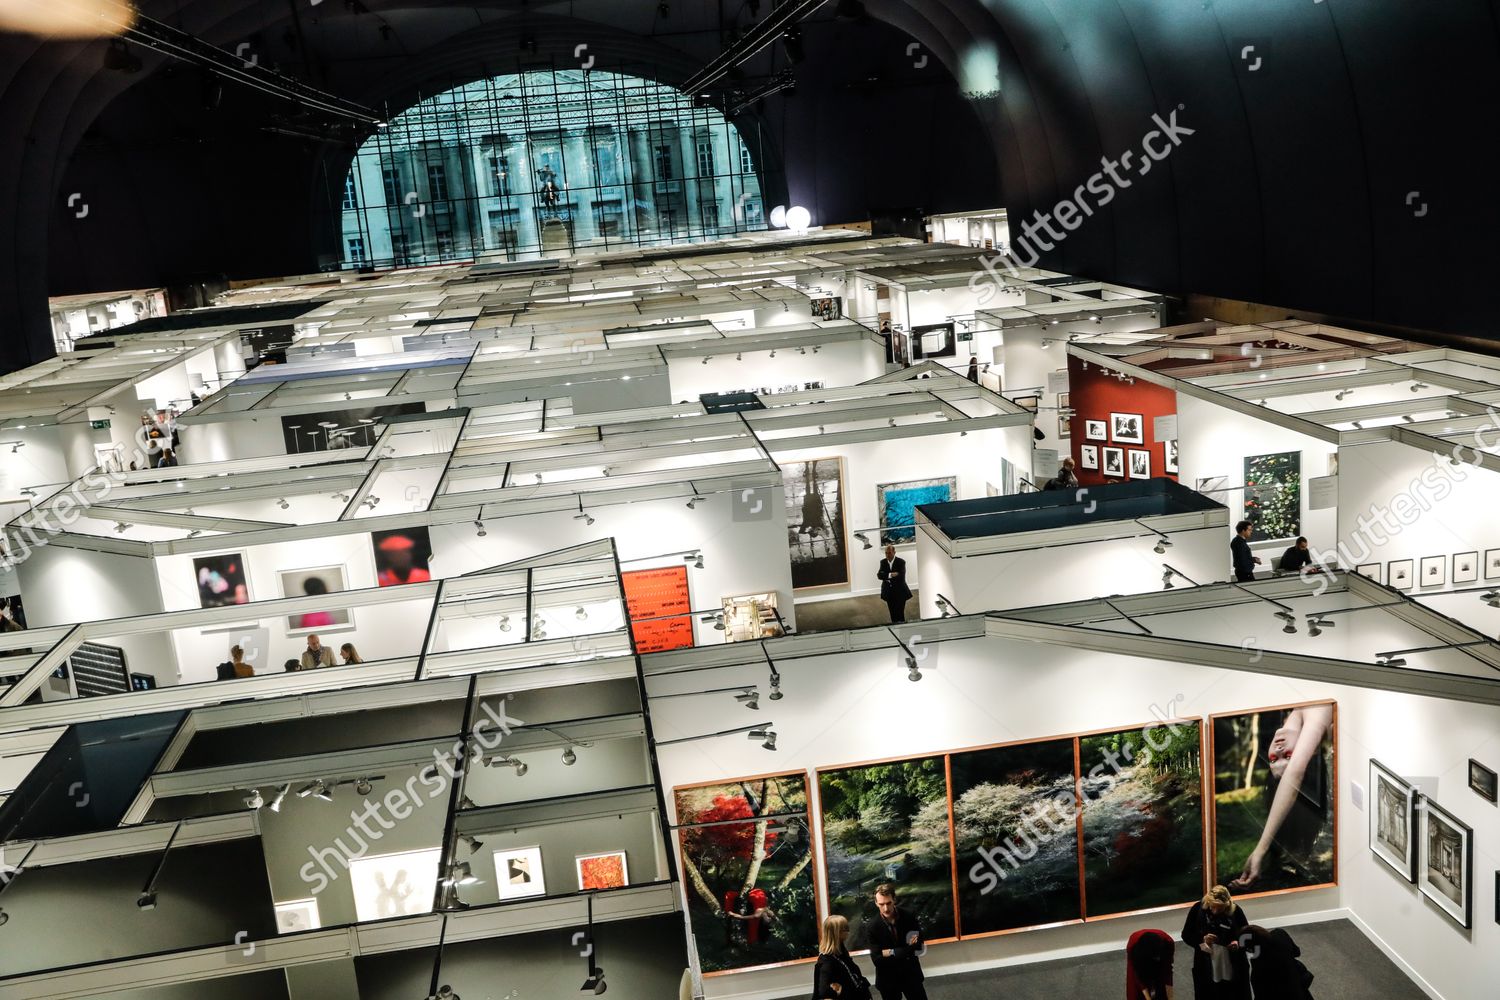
(99, 425)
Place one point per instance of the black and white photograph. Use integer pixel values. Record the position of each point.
(1096, 430)
(1140, 464)
(1371, 571)
(1169, 461)
(1127, 428)
(1114, 462)
(1434, 571)
(334, 430)
(1465, 567)
(1445, 865)
(815, 522)
(1088, 456)
(1400, 574)
(1492, 564)
(1482, 780)
(935, 340)
(1393, 812)
(1064, 422)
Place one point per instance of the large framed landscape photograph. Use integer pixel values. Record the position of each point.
(746, 848)
(888, 822)
(1275, 807)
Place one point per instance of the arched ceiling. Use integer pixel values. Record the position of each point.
(1336, 163)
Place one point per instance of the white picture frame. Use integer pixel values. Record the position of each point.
(394, 885)
(1371, 571)
(294, 583)
(1465, 567)
(1140, 463)
(1169, 458)
(1096, 430)
(1400, 574)
(1114, 463)
(1127, 428)
(1393, 820)
(1088, 456)
(1434, 571)
(584, 885)
(518, 873)
(1445, 861)
(296, 915)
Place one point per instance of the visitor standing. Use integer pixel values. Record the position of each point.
(895, 947)
(1212, 929)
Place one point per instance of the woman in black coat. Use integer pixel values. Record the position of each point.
(1275, 971)
(1217, 923)
(837, 976)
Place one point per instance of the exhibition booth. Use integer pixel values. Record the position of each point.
(1066, 545)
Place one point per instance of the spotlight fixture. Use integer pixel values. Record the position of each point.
(279, 798)
(1317, 623)
(464, 802)
(1492, 598)
(316, 787)
(121, 527)
(764, 733)
(195, 533)
(569, 757)
(469, 840)
(696, 558)
(508, 761)
(254, 800)
(281, 502)
(739, 356)
(479, 529)
(363, 786)
(693, 503)
(775, 694)
(912, 673)
(773, 352)
(1289, 622)
(707, 358)
(581, 613)
(146, 901)
(1166, 580)
(801, 350)
(1357, 425)
(1419, 386)
(750, 698)
(1386, 660)
(505, 623)
(891, 421)
(1340, 396)
(461, 873)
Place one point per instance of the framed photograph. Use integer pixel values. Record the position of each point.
(1465, 567)
(1371, 571)
(1250, 757)
(1214, 486)
(221, 580)
(897, 504)
(602, 871)
(1482, 780)
(1434, 571)
(1088, 456)
(1114, 462)
(1127, 428)
(935, 340)
(394, 885)
(311, 582)
(1029, 403)
(1140, 464)
(814, 490)
(1273, 495)
(1096, 430)
(142, 682)
(1393, 819)
(1064, 422)
(297, 915)
(1492, 564)
(1401, 574)
(1445, 865)
(401, 556)
(1169, 464)
(518, 873)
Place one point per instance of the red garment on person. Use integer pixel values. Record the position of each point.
(1134, 984)
(388, 578)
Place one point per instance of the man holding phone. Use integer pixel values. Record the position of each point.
(895, 946)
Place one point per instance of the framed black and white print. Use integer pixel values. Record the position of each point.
(1445, 863)
(1088, 456)
(1114, 462)
(1465, 567)
(1140, 464)
(1393, 820)
(1370, 571)
(1492, 564)
(1064, 422)
(1127, 428)
(1399, 574)
(1483, 781)
(1169, 460)
(1097, 430)
(1434, 571)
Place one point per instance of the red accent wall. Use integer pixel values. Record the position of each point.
(1094, 395)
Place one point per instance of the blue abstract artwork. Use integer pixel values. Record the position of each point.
(898, 503)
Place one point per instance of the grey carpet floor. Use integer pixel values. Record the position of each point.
(848, 612)
(1345, 964)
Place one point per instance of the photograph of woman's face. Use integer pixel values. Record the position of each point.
(1279, 754)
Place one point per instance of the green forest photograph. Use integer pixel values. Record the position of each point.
(1142, 818)
(1016, 868)
(747, 861)
(888, 823)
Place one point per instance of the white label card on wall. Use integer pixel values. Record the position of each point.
(1057, 381)
(1324, 492)
(1165, 427)
(1043, 465)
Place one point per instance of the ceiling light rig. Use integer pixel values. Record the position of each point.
(762, 732)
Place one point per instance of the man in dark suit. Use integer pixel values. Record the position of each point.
(1239, 552)
(895, 943)
(893, 589)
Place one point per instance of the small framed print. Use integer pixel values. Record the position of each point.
(1028, 402)
(1370, 571)
(1465, 567)
(1127, 428)
(518, 873)
(1434, 571)
(1492, 564)
(1095, 430)
(1483, 780)
(297, 915)
(1140, 464)
(1064, 422)
(1088, 456)
(602, 871)
(1169, 462)
(1393, 820)
(1399, 574)
(1445, 863)
(1114, 462)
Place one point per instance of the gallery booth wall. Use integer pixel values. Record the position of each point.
(1095, 396)
(747, 367)
(985, 691)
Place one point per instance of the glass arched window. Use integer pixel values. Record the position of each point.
(533, 163)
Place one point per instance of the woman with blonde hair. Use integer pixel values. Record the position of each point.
(837, 976)
(1214, 928)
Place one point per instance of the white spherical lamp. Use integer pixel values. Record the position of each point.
(778, 217)
(798, 219)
